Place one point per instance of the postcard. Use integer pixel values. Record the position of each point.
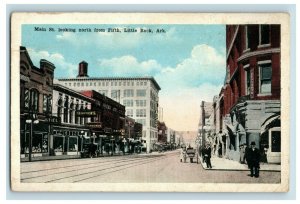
(150, 102)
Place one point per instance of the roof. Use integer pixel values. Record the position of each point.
(111, 78)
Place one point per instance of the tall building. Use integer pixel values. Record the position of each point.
(251, 93)
(138, 94)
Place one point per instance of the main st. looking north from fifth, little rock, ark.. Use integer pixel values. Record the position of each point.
(122, 115)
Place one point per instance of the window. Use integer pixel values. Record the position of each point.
(50, 103)
(265, 78)
(128, 93)
(59, 106)
(34, 100)
(140, 112)
(248, 81)
(66, 104)
(129, 112)
(247, 38)
(264, 34)
(275, 141)
(128, 103)
(26, 99)
(115, 94)
(71, 112)
(141, 92)
(103, 92)
(45, 98)
(140, 103)
(77, 109)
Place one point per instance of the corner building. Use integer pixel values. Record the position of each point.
(251, 92)
(139, 95)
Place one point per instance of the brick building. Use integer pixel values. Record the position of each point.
(251, 94)
(36, 89)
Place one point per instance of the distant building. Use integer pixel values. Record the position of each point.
(204, 128)
(138, 94)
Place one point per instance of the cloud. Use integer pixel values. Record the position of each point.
(128, 66)
(196, 78)
(69, 69)
(204, 65)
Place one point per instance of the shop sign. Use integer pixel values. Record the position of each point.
(94, 125)
(54, 120)
(86, 113)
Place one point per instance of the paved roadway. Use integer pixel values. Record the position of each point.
(155, 167)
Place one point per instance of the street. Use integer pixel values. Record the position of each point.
(145, 168)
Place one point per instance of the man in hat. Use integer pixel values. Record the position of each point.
(207, 155)
(253, 158)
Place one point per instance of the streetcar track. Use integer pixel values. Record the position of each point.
(86, 173)
(88, 163)
(136, 158)
(94, 165)
(119, 169)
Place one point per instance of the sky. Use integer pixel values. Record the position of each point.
(187, 61)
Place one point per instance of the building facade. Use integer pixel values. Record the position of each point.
(138, 94)
(36, 93)
(68, 137)
(251, 92)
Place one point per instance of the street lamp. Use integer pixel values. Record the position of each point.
(101, 136)
(94, 137)
(82, 133)
(112, 149)
(31, 121)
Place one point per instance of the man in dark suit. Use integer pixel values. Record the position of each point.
(253, 158)
(207, 156)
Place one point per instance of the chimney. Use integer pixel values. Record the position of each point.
(83, 69)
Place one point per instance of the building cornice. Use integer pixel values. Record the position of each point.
(257, 53)
(111, 78)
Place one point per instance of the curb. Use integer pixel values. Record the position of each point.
(218, 169)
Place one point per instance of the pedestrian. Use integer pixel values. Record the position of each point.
(220, 150)
(253, 158)
(183, 155)
(242, 154)
(207, 156)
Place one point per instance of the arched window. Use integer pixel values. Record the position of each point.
(71, 112)
(59, 106)
(76, 117)
(66, 109)
(81, 118)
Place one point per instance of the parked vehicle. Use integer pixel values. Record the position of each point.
(89, 150)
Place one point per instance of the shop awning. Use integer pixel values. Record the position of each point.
(272, 121)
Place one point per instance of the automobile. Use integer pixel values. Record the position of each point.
(191, 152)
(89, 150)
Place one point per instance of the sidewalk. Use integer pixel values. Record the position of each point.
(230, 165)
